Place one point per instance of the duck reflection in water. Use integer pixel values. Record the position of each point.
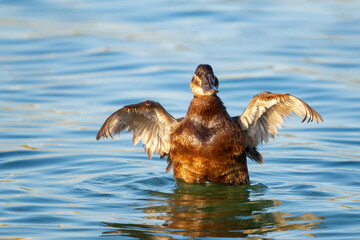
(212, 210)
(207, 145)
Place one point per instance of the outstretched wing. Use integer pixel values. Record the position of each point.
(148, 121)
(265, 114)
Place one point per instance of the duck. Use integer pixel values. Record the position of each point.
(207, 145)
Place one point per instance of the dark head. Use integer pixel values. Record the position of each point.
(204, 82)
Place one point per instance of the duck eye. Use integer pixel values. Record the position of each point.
(198, 73)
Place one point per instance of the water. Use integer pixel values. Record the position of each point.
(67, 65)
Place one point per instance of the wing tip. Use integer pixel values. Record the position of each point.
(149, 152)
(99, 135)
(103, 133)
(319, 117)
(313, 116)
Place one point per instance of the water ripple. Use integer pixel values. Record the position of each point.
(65, 66)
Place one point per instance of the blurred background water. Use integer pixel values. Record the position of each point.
(67, 65)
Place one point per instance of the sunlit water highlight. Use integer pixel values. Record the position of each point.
(66, 65)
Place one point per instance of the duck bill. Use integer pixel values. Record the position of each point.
(211, 91)
(207, 85)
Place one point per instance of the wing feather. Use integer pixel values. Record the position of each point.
(148, 121)
(266, 113)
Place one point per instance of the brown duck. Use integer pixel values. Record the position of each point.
(207, 145)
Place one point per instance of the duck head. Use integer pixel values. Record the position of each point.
(204, 82)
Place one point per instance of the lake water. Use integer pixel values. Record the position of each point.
(65, 66)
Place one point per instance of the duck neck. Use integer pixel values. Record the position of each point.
(206, 107)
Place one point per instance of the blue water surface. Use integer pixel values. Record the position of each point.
(65, 66)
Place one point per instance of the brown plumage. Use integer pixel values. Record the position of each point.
(207, 145)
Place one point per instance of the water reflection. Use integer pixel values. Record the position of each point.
(212, 211)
